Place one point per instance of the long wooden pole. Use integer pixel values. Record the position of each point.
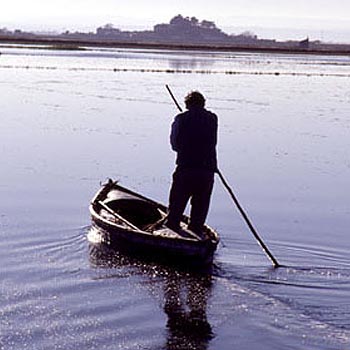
(173, 97)
(248, 222)
(234, 198)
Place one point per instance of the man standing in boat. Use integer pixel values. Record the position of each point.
(193, 137)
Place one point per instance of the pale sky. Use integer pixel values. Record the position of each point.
(317, 16)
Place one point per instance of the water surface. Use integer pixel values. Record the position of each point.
(73, 119)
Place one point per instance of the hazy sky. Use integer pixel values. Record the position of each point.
(321, 15)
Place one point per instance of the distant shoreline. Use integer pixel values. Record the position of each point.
(71, 44)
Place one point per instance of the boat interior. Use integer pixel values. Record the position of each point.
(138, 212)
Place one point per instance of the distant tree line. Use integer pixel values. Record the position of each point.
(179, 30)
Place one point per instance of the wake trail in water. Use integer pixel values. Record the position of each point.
(282, 315)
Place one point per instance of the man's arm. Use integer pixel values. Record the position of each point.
(215, 129)
(174, 134)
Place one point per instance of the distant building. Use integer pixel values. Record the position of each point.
(304, 44)
(246, 37)
(108, 30)
(4, 31)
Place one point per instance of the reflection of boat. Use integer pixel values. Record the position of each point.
(132, 222)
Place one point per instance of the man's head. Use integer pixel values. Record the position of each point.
(194, 99)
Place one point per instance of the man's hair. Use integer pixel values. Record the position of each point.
(194, 99)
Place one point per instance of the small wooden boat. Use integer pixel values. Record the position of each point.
(129, 221)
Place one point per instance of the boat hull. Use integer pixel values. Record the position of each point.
(143, 243)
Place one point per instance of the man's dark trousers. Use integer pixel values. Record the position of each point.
(194, 184)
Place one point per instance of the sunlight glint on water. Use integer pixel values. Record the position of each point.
(71, 120)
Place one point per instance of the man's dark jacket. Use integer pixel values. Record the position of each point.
(194, 137)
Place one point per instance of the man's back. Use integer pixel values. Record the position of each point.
(194, 137)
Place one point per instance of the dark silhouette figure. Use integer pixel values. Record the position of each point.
(193, 137)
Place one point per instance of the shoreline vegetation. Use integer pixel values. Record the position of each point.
(182, 34)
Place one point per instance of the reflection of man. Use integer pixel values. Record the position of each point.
(193, 137)
(185, 305)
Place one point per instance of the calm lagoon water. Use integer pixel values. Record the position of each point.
(72, 119)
